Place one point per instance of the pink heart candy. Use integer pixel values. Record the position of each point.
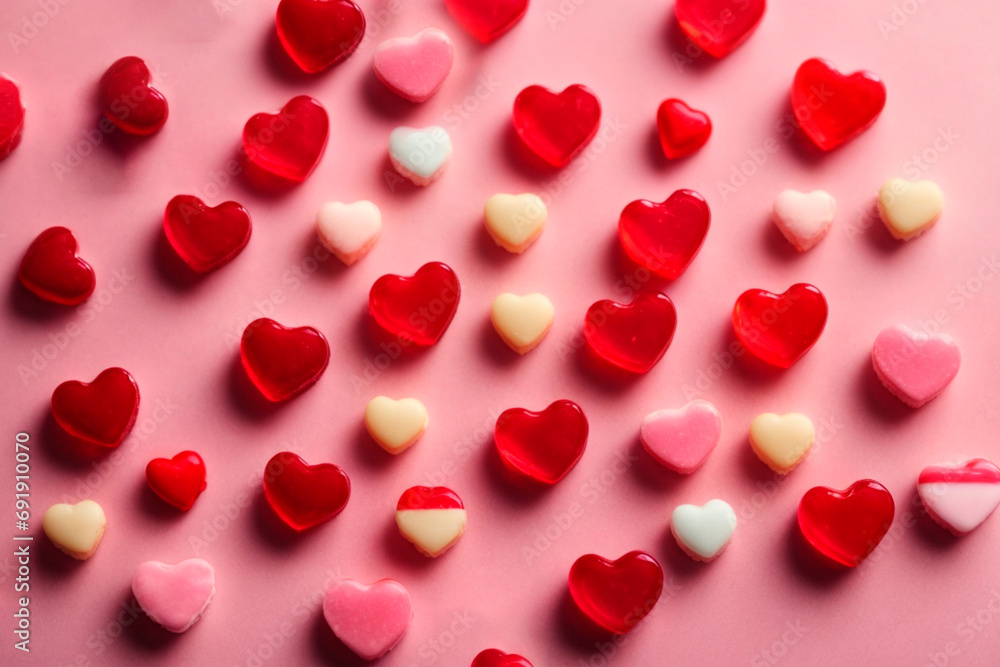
(682, 439)
(174, 595)
(915, 366)
(369, 620)
(415, 67)
(960, 497)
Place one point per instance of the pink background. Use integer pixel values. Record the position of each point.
(922, 596)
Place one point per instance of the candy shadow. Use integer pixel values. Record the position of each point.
(274, 532)
(380, 345)
(24, 303)
(256, 180)
(630, 275)
(396, 183)
(370, 453)
(331, 266)
(154, 506)
(65, 449)
(776, 245)
(328, 649)
(403, 553)
(493, 346)
(50, 559)
(488, 249)
(651, 474)
(521, 158)
(246, 398)
(280, 65)
(383, 101)
(576, 630)
(927, 530)
(881, 238)
(678, 563)
(116, 140)
(516, 488)
(879, 401)
(755, 469)
(170, 267)
(146, 634)
(749, 368)
(808, 564)
(657, 159)
(802, 147)
(603, 374)
(681, 50)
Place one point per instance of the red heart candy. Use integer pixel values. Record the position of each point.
(542, 445)
(487, 19)
(492, 657)
(205, 238)
(846, 526)
(319, 33)
(631, 336)
(616, 594)
(179, 481)
(719, 26)
(683, 130)
(101, 412)
(429, 498)
(11, 116)
(291, 142)
(302, 495)
(780, 328)
(833, 108)
(556, 127)
(53, 271)
(416, 308)
(127, 99)
(665, 237)
(280, 361)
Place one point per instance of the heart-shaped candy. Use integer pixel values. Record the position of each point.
(395, 425)
(101, 412)
(486, 19)
(682, 130)
(556, 126)
(290, 143)
(179, 481)
(75, 529)
(52, 270)
(960, 497)
(915, 366)
(804, 218)
(780, 328)
(846, 526)
(782, 441)
(616, 594)
(703, 532)
(515, 221)
(682, 439)
(302, 495)
(414, 67)
(369, 620)
(492, 657)
(420, 155)
(665, 237)
(11, 115)
(127, 99)
(206, 237)
(349, 230)
(909, 209)
(543, 446)
(283, 362)
(719, 26)
(432, 518)
(318, 34)
(175, 596)
(416, 308)
(522, 321)
(631, 336)
(833, 108)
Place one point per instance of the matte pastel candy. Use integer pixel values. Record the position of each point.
(486, 20)
(514, 222)
(420, 155)
(414, 67)
(369, 620)
(703, 532)
(617, 594)
(289, 143)
(178, 480)
(522, 321)
(909, 209)
(962, 496)
(780, 328)
(101, 412)
(833, 108)
(206, 237)
(77, 529)
(175, 596)
(52, 270)
(395, 425)
(804, 218)
(846, 526)
(349, 231)
(318, 34)
(432, 518)
(682, 439)
(11, 115)
(127, 99)
(682, 130)
(719, 26)
(556, 126)
(914, 366)
(782, 441)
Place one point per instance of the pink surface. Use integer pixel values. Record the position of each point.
(921, 594)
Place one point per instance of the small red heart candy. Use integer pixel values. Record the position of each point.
(319, 33)
(127, 99)
(683, 130)
(11, 115)
(179, 481)
(780, 328)
(291, 142)
(487, 19)
(302, 495)
(719, 26)
(542, 445)
(52, 270)
(631, 336)
(556, 127)
(616, 594)
(101, 412)
(846, 526)
(833, 108)
(416, 308)
(665, 237)
(492, 657)
(205, 238)
(283, 362)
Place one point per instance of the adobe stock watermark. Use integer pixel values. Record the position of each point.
(899, 16)
(437, 647)
(974, 624)
(465, 108)
(462, 450)
(32, 24)
(562, 13)
(791, 634)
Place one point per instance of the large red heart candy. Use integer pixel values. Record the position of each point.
(616, 594)
(283, 362)
(53, 271)
(11, 116)
(631, 336)
(682, 130)
(205, 238)
(127, 99)
(846, 526)
(556, 127)
(719, 26)
(780, 328)
(542, 445)
(487, 19)
(492, 657)
(291, 142)
(833, 108)
(179, 481)
(319, 33)
(416, 308)
(302, 495)
(665, 237)
(101, 412)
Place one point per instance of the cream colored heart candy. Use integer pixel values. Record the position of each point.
(515, 221)
(395, 425)
(349, 230)
(909, 209)
(522, 321)
(75, 529)
(782, 441)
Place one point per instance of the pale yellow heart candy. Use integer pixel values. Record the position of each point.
(909, 209)
(782, 441)
(395, 425)
(75, 529)
(515, 221)
(522, 321)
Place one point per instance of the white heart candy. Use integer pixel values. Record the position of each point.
(75, 529)
(804, 218)
(515, 221)
(348, 230)
(420, 154)
(703, 532)
(395, 425)
(522, 321)
(909, 209)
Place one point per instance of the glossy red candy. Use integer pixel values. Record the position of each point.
(492, 657)
(556, 127)
(11, 116)
(416, 308)
(127, 99)
(289, 143)
(302, 495)
(319, 33)
(179, 481)
(101, 412)
(719, 26)
(487, 19)
(53, 271)
(665, 237)
(206, 237)
(429, 498)
(283, 362)
(631, 336)
(683, 130)
(833, 108)
(846, 526)
(780, 328)
(616, 594)
(542, 445)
